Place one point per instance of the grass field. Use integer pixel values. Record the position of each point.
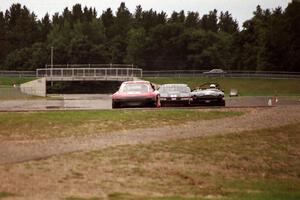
(256, 165)
(9, 81)
(76, 123)
(8, 92)
(12, 93)
(245, 86)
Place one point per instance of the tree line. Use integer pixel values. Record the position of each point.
(270, 40)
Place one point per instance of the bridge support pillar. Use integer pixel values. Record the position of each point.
(35, 87)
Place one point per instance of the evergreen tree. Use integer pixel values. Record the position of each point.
(210, 22)
(268, 41)
(107, 18)
(192, 20)
(227, 24)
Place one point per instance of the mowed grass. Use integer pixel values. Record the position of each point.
(256, 165)
(37, 125)
(10, 81)
(4, 195)
(245, 86)
(8, 92)
(12, 93)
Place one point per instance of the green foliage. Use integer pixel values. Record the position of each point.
(151, 40)
(227, 24)
(210, 22)
(136, 46)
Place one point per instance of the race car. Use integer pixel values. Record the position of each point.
(175, 94)
(134, 94)
(208, 94)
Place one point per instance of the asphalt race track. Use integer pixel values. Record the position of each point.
(103, 101)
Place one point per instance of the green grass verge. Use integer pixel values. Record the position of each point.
(245, 86)
(6, 194)
(11, 93)
(9, 81)
(76, 123)
(8, 92)
(256, 165)
(80, 198)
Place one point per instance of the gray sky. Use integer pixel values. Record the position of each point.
(240, 9)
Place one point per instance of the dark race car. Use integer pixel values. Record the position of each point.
(208, 94)
(134, 94)
(175, 94)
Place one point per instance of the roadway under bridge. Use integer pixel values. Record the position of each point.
(80, 80)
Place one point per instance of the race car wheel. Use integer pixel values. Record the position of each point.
(157, 103)
(116, 105)
(221, 102)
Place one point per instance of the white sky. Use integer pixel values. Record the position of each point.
(240, 9)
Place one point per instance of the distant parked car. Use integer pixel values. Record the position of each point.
(175, 94)
(136, 93)
(208, 94)
(215, 72)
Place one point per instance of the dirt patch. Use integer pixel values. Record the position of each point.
(208, 167)
(25, 150)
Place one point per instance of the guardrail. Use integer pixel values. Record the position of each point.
(17, 73)
(71, 74)
(161, 73)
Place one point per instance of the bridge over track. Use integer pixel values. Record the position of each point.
(89, 74)
(105, 74)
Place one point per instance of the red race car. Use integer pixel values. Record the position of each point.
(134, 94)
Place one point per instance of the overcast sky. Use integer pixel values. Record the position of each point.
(240, 9)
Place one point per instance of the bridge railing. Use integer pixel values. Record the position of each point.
(86, 73)
(109, 65)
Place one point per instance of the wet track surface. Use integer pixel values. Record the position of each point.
(103, 101)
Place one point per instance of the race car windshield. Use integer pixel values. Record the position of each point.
(135, 88)
(174, 88)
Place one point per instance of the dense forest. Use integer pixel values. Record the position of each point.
(270, 40)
